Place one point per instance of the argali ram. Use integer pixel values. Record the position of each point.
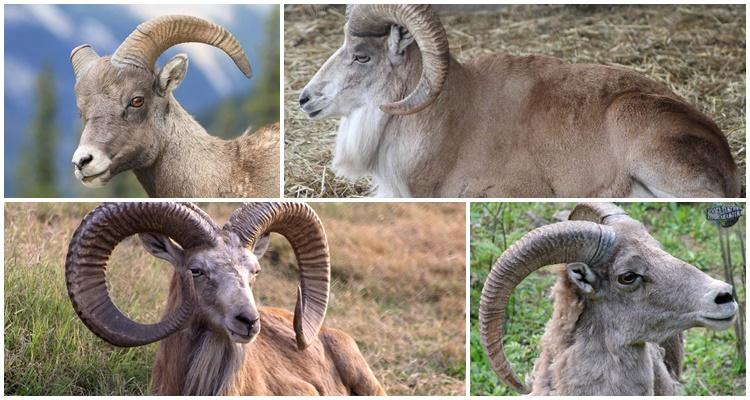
(133, 122)
(621, 304)
(421, 124)
(214, 340)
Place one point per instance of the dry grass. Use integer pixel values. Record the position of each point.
(697, 50)
(397, 288)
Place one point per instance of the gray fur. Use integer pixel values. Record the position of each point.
(625, 339)
(171, 154)
(514, 126)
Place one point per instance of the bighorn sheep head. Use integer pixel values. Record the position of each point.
(123, 99)
(215, 266)
(371, 66)
(635, 290)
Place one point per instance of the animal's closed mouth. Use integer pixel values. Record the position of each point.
(241, 335)
(90, 178)
(314, 113)
(724, 319)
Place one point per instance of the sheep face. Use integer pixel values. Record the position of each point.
(223, 276)
(123, 109)
(647, 295)
(365, 72)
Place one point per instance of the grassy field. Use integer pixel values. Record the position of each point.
(398, 288)
(697, 50)
(712, 364)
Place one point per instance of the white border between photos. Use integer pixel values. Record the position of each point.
(466, 201)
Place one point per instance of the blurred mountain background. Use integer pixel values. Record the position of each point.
(42, 127)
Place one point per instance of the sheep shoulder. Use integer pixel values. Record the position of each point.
(330, 366)
(256, 170)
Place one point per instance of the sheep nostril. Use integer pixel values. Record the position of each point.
(83, 161)
(303, 99)
(723, 298)
(246, 320)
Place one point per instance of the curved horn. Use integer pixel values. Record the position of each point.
(564, 242)
(203, 215)
(81, 57)
(304, 231)
(155, 36)
(602, 213)
(428, 32)
(89, 250)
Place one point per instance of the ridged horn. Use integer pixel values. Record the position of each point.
(89, 250)
(564, 242)
(424, 25)
(81, 57)
(601, 213)
(151, 38)
(304, 231)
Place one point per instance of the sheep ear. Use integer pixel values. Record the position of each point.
(398, 40)
(261, 245)
(172, 74)
(582, 276)
(161, 246)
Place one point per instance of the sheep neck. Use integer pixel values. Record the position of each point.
(185, 146)
(609, 365)
(195, 360)
(358, 140)
(599, 361)
(406, 155)
(213, 365)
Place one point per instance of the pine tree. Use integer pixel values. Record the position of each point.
(263, 105)
(36, 172)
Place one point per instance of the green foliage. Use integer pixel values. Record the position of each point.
(36, 169)
(712, 364)
(263, 106)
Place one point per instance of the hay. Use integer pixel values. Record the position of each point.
(697, 50)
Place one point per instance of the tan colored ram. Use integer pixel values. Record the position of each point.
(422, 124)
(133, 122)
(214, 339)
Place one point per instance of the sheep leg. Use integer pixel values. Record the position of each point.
(351, 365)
(670, 148)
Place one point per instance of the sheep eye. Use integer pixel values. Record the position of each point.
(136, 102)
(361, 59)
(627, 278)
(196, 272)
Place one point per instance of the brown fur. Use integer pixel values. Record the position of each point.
(517, 126)
(572, 130)
(269, 365)
(170, 153)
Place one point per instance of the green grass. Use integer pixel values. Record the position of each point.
(711, 364)
(48, 351)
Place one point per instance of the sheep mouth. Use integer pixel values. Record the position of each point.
(314, 114)
(727, 319)
(240, 337)
(95, 180)
(717, 322)
(315, 111)
(89, 178)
